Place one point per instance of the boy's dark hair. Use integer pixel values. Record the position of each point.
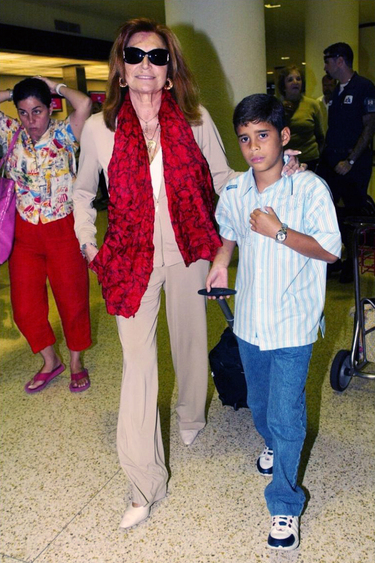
(340, 50)
(32, 87)
(257, 108)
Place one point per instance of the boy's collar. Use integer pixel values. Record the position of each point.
(250, 182)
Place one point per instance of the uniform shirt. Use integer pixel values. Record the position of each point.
(280, 293)
(44, 172)
(345, 116)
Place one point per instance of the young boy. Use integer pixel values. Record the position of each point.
(286, 230)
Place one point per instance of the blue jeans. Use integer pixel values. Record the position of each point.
(276, 397)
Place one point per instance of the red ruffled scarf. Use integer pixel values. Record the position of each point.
(125, 260)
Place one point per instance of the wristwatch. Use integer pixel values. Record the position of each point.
(282, 233)
(351, 162)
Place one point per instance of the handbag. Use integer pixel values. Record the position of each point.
(7, 207)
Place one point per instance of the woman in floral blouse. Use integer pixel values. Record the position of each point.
(43, 166)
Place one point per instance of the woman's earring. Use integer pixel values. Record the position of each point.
(122, 82)
(168, 84)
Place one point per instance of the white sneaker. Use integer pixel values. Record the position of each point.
(284, 534)
(188, 436)
(265, 462)
(134, 515)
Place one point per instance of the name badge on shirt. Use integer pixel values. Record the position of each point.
(370, 105)
(348, 99)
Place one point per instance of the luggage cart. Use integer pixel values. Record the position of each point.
(355, 362)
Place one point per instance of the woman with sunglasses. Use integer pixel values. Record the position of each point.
(153, 142)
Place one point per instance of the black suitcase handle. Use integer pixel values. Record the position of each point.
(221, 292)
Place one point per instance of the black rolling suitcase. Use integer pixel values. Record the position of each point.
(225, 361)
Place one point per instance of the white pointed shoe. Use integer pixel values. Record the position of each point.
(134, 515)
(188, 436)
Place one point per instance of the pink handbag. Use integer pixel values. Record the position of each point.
(7, 207)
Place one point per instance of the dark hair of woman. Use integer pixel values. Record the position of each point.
(32, 87)
(184, 89)
(284, 73)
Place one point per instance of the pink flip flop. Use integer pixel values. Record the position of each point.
(45, 377)
(75, 377)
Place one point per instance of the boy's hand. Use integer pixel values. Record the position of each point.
(217, 277)
(266, 224)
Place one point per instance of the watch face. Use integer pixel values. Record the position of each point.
(281, 236)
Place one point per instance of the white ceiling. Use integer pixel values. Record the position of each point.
(279, 23)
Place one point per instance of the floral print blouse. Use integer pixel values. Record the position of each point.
(44, 173)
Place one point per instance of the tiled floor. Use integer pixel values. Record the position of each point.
(63, 494)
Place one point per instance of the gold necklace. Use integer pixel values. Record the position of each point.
(145, 129)
(151, 143)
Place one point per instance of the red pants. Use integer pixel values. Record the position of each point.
(42, 251)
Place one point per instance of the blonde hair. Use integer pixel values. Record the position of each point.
(184, 90)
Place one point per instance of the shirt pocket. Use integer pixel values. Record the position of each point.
(245, 234)
(290, 210)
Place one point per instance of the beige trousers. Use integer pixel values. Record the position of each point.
(139, 441)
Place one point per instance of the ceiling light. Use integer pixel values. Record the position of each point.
(272, 5)
(285, 58)
(16, 64)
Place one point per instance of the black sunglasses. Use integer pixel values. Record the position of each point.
(133, 56)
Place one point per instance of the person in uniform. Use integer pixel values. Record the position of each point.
(346, 162)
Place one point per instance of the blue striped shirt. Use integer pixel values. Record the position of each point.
(280, 293)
